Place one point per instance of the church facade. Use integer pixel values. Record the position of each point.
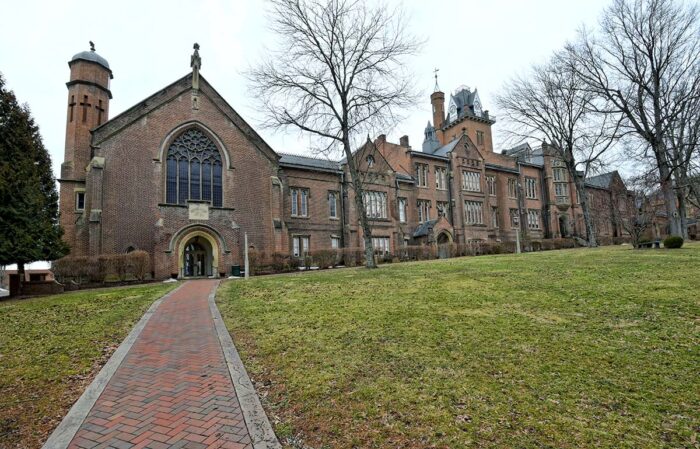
(184, 177)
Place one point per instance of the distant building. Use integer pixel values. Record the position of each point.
(183, 176)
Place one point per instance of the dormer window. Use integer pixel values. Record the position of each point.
(370, 161)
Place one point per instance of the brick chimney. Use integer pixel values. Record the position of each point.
(403, 141)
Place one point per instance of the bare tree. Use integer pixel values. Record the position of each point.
(550, 104)
(338, 75)
(683, 141)
(643, 62)
(635, 209)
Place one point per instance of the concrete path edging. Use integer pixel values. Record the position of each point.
(61, 437)
(259, 427)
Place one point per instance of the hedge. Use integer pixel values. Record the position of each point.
(135, 265)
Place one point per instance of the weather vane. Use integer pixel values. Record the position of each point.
(92, 46)
(437, 88)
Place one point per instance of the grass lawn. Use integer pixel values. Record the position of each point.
(52, 347)
(563, 349)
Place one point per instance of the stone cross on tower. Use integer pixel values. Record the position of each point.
(196, 64)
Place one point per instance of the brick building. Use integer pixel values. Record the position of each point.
(183, 176)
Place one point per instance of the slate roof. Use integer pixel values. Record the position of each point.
(443, 150)
(602, 181)
(295, 160)
(424, 228)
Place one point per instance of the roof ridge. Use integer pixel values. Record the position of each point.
(308, 157)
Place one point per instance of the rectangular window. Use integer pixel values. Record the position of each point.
(479, 137)
(561, 189)
(195, 185)
(443, 208)
(559, 174)
(423, 210)
(471, 181)
(300, 245)
(217, 200)
(300, 202)
(79, 200)
(335, 242)
(494, 217)
(375, 204)
(531, 188)
(183, 181)
(333, 204)
(533, 219)
(402, 210)
(422, 175)
(441, 178)
(512, 188)
(491, 182)
(514, 218)
(381, 245)
(206, 181)
(473, 212)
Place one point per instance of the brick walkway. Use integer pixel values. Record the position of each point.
(173, 389)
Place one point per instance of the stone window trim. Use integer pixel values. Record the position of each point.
(376, 205)
(441, 178)
(473, 213)
(80, 200)
(193, 124)
(512, 188)
(423, 207)
(531, 188)
(402, 204)
(193, 169)
(422, 175)
(299, 201)
(471, 181)
(185, 206)
(300, 245)
(333, 212)
(492, 185)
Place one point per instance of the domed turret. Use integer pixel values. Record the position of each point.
(88, 108)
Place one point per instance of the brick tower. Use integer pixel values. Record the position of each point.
(88, 108)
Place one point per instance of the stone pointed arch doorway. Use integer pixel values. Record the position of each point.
(198, 256)
(443, 242)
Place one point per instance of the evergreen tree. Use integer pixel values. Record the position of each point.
(29, 228)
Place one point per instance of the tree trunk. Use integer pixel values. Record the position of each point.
(682, 193)
(20, 275)
(682, 213)
(580, 183)
(360, 207)
(669, 194)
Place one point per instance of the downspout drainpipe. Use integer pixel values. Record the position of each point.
(343, 197)
(449, 193)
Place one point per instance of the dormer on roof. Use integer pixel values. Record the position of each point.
(431, 142)
(465, 103)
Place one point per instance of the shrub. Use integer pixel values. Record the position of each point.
(103, 268)
(324, 258)
(352, 257)
(673, 241)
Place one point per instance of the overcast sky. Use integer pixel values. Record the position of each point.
(148, 45)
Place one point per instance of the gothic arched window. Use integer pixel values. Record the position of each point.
(193, 170)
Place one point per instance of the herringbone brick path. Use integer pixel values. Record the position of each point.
(173, 389)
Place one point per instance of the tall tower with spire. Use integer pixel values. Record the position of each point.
(437, 99)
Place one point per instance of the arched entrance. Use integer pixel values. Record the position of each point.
(197, 257)
(443, 241)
